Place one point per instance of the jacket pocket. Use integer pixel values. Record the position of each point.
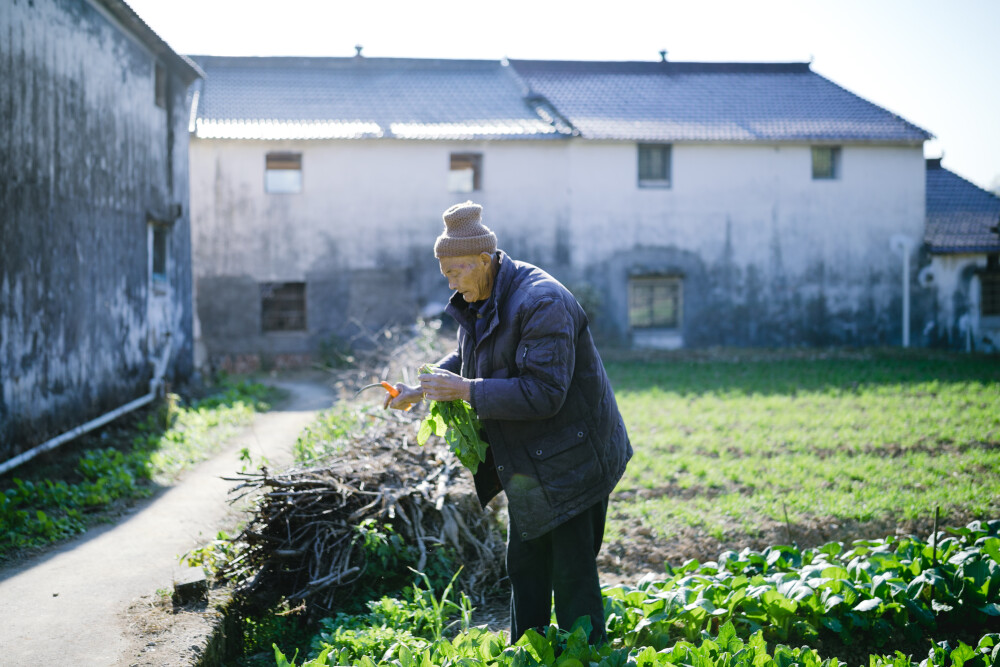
(566, 463)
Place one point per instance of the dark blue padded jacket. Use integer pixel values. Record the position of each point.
(558, 443)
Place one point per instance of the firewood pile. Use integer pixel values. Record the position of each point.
(301, 542)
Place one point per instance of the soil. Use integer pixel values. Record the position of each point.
(143, 627)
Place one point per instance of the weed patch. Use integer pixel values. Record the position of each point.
(55, 499)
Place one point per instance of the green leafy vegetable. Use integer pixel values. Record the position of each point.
(457, 423)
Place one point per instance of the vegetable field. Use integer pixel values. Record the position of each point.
(778, 511)
(757, 450)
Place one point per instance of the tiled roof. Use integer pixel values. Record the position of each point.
(359, 97)
(363, 97)
(961, 216)
(731, 102)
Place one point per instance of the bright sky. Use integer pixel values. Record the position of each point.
(936, 63)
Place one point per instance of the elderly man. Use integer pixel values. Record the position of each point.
(527, 365)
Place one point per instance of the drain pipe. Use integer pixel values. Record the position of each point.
(155, 388)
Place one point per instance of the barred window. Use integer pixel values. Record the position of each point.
(283, 306)
(654, 302)
(654, 165)
(825, 162)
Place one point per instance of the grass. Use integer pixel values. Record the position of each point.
(722, 444)
(63, 492)
(727, 442)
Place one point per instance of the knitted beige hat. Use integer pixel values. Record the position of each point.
(464, 232)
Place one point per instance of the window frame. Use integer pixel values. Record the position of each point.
(283, 162)
(274, 317)
(158, 246)
(989, 295)
(836, 163)
(662, 179)
(475, 163)
(675, 282)
(160, 85)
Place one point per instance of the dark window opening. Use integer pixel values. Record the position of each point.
(283, 173)
(990, 294)
(654, 165)
(283, 306)
(466, 172)
(160, 85)
(825, 162)
(159, 251)
(654, 302)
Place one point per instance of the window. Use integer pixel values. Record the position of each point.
(654, 165)
(283, 306)
(283, 173)
(159, 236)
(989, 284)
(654, 302)
(826, 162)
(466, 172)
(160, 86)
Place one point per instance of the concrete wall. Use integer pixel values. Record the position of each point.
(85, 156)
(360, 234)
(782, 259)
(768, 255)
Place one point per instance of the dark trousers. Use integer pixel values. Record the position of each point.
(561, 562)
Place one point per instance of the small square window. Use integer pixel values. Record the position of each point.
(825, 162)
(654, 165)
(160, 86)
(283, 306)
(654, 302)
(159, 249)
(466, 172)
(283, 173)
(989, 303)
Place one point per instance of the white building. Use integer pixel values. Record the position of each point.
(964, 273)
(688, 204)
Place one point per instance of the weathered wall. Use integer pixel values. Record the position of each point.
(788, 260)
(769, 256)
(955, 320)
(360, 234)
(85, 155)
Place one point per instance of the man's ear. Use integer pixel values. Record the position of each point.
(486, 258)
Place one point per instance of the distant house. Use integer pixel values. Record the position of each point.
(963, 239)
(689, 204)
(95, 262)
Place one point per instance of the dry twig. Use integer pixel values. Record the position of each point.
(301, 543)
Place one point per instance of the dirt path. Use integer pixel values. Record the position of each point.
(73, 604)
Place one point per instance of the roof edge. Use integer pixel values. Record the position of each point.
(183, 65)
(928, 136)
(956, 250)
(941, 167)
(665, 66)
(318, 61)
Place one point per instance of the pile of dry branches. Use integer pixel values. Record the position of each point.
(302, 542)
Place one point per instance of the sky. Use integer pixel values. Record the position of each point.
(936, 63)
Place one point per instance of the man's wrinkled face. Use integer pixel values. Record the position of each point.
(469, 276)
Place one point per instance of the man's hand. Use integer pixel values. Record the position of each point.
(408, 396)
(442, 385)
